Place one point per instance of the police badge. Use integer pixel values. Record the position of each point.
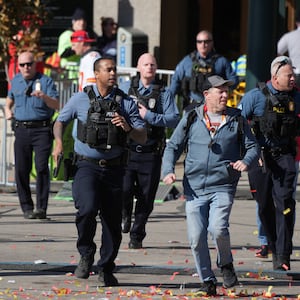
(151, 103)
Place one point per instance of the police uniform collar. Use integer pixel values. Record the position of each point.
(276, 92)
(142, 88)
(99, 96)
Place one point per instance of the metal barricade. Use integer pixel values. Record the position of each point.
(66, 88)
(7, 153)
(3, 125)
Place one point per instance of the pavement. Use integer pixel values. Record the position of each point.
(38, 257)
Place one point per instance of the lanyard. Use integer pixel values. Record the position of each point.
(212, 126)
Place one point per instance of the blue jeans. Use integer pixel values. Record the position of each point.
(262, 237)
(209, 213)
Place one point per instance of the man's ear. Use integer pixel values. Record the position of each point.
(205, 93)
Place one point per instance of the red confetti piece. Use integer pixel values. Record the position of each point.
(173, 276)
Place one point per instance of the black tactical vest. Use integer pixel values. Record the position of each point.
(98, 131)
(151, 102)
(201, 69)
(279, 119)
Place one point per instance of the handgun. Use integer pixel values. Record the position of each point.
(59, 161)
(263, 160)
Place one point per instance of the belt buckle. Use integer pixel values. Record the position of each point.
(102, 163)
(139, 148)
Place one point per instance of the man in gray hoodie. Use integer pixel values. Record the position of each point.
(219, 147)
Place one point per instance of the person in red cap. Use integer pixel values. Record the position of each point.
(82, 45)
(69, 61)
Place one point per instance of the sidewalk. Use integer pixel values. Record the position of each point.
(38, 257)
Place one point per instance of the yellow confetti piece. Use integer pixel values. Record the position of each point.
(286, 211)
(268, 293)
(255, 232)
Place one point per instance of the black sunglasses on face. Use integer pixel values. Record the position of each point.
(28, 64)
(203, 41)
(281, 63)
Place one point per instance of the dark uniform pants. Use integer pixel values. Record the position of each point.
(97, 190)
(28, 140)
(274, 193)
(141, 180)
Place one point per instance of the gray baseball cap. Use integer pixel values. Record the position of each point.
(216, 81)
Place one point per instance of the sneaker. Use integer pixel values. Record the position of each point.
(263, 252)
(84, 267)
(107, 279)
(40, 214)
(135, 244)
(229, 276)
(207, 288)
(28, 214)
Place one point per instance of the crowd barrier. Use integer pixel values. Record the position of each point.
(66, 88)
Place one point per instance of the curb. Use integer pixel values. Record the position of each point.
(154, 270)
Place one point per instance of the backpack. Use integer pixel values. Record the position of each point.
(192, 115)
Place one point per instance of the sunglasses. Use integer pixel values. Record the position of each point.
(203, 41)
(28, 64)
(281, 64)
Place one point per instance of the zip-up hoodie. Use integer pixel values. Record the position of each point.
(207, 163)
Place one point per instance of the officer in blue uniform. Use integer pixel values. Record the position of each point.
(193, 69)
(106, 117)
(158, 108)
(273, 110)
(32, 101)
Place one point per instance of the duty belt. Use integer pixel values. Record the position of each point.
(144, 148)
(117, 161)
(277, 151)
(33, 124)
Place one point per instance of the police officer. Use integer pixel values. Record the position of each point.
(32, 101)
(272, 109)
(158, 108)
(194, 68)
(106, 116)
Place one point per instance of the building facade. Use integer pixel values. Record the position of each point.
(239, 26)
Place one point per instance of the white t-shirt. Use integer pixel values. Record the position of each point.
(86, 69)
(290, 42)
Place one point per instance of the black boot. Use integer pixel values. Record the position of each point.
(126, 223)
(274, 260)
